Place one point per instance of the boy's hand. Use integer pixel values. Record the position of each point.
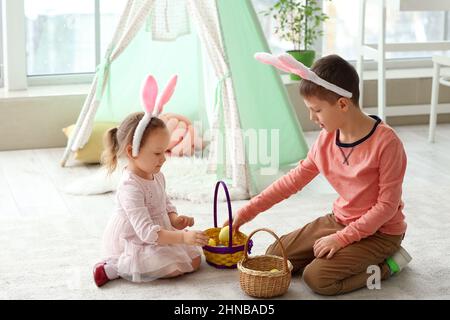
(181, 222)
(237, 223)
(326, 245)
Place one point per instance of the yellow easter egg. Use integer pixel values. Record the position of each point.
(224, 234)
(212, 242)
(275, 270)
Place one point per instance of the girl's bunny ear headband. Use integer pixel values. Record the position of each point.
(287, 63)
(152, 107)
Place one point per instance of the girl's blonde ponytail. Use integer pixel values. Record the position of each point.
(111, 148)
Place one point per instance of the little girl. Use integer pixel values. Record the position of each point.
(143, 241)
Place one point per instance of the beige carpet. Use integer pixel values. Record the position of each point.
(50, 240)
(51, 256)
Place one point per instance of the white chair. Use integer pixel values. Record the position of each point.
(438, 61)
(378, 51)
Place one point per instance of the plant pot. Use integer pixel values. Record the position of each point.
(304, 56)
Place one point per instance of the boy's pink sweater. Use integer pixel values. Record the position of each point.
(369, 186)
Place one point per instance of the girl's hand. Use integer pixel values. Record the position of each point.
(181, 222)
(326, 245)
(195, 238)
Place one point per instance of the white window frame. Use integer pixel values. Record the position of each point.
(1, 44)
(14, 35)
(14, 56)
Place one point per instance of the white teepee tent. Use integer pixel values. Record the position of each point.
(229, 33)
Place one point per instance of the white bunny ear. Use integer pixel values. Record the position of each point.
(166, 95)
(149, 92)
(295, 66)
(287, 63)
(268, 58)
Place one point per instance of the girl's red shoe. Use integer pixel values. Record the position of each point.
(100, 277)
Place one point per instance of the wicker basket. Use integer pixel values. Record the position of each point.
(225, 257)
(256, 277)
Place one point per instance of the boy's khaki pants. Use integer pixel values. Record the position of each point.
(347, 270)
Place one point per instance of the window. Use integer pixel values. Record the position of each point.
(342, 27)
(60, 36)
(110, 12)
(340, 30)
(64, 40)
(268, 24)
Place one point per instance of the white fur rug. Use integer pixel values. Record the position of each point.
(186, 179)
(51, 256)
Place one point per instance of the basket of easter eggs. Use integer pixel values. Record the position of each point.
(265, 276)
(225, 247)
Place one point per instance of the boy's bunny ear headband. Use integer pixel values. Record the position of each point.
(287, 63)
(152, 108)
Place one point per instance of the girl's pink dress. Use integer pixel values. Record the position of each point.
(130, 239)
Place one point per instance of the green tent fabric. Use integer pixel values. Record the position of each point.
(264, 109)
(261, 95)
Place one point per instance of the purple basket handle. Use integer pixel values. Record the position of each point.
(230, 216)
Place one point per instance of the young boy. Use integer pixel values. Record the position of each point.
(364, 161)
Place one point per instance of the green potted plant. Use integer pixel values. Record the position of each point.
(299, 22)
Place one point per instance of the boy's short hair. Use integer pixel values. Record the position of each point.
(336, 70)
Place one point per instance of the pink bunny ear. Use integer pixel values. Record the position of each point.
(267, 58)
(148, 93)
(295, 66)
(167, 94)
